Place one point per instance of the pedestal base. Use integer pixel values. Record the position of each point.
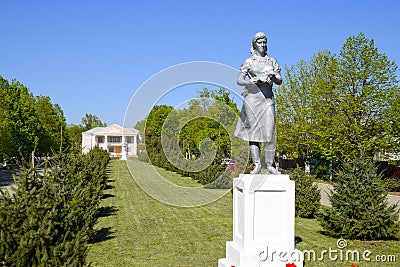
(260, 257)
(263, 223)
(225, 263)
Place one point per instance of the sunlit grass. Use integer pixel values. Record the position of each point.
(145, 232)
(137, 230)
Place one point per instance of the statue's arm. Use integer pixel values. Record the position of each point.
(245, 70)
(242, 79)
(276, 77)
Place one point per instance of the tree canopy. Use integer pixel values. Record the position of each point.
(28, 123)
(31, 123)
(340, 106)
(193, 140)
(89, 121)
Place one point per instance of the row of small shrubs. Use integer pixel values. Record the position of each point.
(50, 218)
(206, 176)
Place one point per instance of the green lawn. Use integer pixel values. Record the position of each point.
(137, 230)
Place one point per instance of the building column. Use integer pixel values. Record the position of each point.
(106, 142)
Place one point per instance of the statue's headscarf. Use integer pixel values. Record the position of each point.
(258, 35)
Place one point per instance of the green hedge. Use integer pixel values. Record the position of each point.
(51, 217)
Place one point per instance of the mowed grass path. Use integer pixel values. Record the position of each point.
(141, 231)
(137, 230)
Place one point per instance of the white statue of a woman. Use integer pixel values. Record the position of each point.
(257, 117)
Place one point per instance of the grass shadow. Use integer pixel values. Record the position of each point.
(105, 196)
(323, 232)
(109, 187)
(105, 233)
(298, 239)
(107, 211)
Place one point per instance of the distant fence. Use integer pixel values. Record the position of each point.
(387, 169)
(288, 164)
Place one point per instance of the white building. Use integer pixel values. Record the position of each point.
(112, 138)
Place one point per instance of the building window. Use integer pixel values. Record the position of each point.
(115, 139)
(100, 139)
(129, 149)
(129, 140)
(111, 150)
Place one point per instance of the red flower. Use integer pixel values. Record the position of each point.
(290, 265)
(354, 265)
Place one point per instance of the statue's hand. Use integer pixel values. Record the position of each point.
(266, 78)
(253, 80)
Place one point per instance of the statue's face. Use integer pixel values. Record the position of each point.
(261, 46)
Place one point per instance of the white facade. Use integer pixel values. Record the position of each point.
(112, 138)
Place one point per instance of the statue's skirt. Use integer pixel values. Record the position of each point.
(257, 117)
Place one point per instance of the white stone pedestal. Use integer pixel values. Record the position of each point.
(263, 223)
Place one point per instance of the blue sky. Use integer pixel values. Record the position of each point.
(90, 56)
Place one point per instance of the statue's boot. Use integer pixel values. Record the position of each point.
(269, 151)
(255, 156)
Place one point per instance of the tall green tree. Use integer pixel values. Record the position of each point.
(152, 135)
(74, 135)
(305, 100)
(74, 131)
(201, 132)
(28, 123)
(369, 85)
(52, 126)
(340, 106)
(140, 125)
(90, 121)
(19, 127)
(214, 115)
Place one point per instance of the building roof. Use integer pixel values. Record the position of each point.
(114, 129)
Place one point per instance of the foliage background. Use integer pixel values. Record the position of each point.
(338, 107)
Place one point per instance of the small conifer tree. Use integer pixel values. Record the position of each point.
(308, 195)
(359, 206)
(50, 218)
